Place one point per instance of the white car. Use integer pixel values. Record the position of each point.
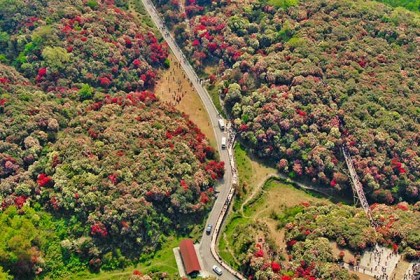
(217, 270)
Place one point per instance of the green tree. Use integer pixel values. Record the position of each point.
(92, 4)
(283, 3)
(86, 92)
(56, 58)
(4, 275)
(21, 240)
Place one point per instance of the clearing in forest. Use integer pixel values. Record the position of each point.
(175, 88)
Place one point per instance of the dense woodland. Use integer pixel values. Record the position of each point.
(303, 78)
(95, 171)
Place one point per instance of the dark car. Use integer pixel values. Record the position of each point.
(208, 229)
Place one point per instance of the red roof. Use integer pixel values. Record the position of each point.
(189, 257)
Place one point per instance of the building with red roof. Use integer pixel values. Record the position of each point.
(189, 257)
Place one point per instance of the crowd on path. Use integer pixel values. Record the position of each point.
(413, 272)
(381, 263)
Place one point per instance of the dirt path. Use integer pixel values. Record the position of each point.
(256, 190)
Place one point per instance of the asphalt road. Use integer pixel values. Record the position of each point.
(226, 184)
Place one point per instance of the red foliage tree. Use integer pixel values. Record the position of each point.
(98, 229)
(20, 200)
(44, 180)
(136, 63)
(291, 243)
(137, 272)
(395, 247)
(184, 185)
(42, 72)
(216, 169)
(204, 198)
(104, 81)
(259, 253)
(275, 266)
(113, 178)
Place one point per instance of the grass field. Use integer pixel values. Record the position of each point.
(162, 261)
(252, 173)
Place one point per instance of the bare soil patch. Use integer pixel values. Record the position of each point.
(348, 255)
(175, 88)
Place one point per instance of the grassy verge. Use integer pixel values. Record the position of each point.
(243, 164)
(141, 14)
(212, 90)
(225, 242)
(252, 173)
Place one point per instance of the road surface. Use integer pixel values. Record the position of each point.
(226, 184)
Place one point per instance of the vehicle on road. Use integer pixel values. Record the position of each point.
(222, 124)
(208, 229)
(223, 142)
(217, 270)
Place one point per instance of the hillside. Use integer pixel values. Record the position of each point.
(60, 45)
(96, 170)
(286, 233)
(300, 79)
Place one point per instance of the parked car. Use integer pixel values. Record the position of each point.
(217, 270)
(208, 229)
(223, 142)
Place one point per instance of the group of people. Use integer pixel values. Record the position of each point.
(381, 264)
(179, 91)
(383, 260)
(413, 273)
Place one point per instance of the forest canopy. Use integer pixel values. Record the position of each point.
(300, 81)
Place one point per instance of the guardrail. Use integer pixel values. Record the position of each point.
(224, 212)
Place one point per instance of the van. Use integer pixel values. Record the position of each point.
(223, 142)
(222, 124)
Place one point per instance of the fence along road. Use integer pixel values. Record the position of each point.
(208, 242)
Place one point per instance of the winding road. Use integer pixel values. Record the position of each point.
(225, 187)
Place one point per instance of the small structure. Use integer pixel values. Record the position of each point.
(189, 257)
